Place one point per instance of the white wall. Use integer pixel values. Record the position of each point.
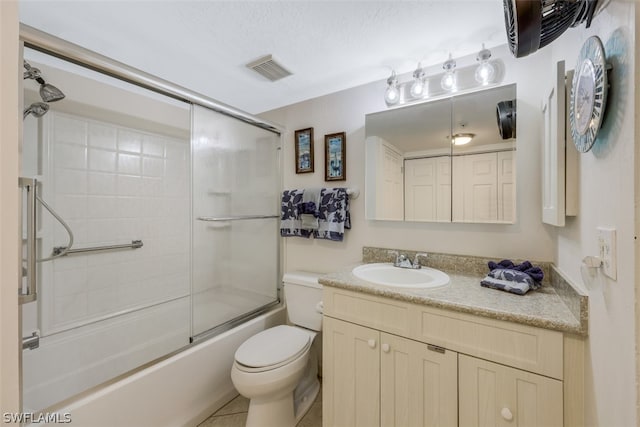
(346, 110)
(607, 195)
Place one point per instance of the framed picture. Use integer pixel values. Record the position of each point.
(335, 159)
(304, 150)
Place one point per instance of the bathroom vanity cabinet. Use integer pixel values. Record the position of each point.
(389, 362)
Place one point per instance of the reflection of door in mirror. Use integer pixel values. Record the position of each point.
(386, 172)
(458, 155)
(428, 189)
(484, 166)
(408, 163)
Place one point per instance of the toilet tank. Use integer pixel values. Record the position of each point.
(303, 295)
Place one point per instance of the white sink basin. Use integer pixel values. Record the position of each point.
(403, 278)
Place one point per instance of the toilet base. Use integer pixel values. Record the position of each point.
(303, 404)
(271, 412)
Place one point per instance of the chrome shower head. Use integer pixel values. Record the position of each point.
(38, 109)
(48, 92)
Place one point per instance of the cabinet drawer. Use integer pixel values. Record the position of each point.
(525, 347)
(384, 314)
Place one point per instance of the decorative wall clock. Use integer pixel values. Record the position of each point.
(588, 94)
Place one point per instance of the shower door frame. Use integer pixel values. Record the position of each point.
(51, 45)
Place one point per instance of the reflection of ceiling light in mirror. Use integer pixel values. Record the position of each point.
(418, 86)
(485, 72)
(462, 138)
(392, 94)
(448, 81)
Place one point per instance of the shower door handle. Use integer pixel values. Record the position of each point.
(30, 293)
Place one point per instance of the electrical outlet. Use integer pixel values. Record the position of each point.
(607, 249)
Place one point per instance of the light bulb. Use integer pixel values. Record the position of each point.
(418, 85)
(448, 81)
(392, 94)
(417, 89)
(485, 72)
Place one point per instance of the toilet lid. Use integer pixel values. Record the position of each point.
(272, 346)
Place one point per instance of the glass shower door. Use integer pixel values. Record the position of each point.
(236, 184)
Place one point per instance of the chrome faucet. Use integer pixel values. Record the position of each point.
(402, 261)
(416, 259)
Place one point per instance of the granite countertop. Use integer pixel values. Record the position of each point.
(544, 308)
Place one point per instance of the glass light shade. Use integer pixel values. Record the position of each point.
(462, 138)
(418, 88)
(485, 72)
(392, 95)
(448, 81)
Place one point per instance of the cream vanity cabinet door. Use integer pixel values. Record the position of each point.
(496, 395)
(418, 384)
(351, 374)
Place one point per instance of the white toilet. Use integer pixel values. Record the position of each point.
(277, 369)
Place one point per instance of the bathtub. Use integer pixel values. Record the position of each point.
(182, 390)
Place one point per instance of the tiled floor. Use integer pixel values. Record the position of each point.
(234, 414)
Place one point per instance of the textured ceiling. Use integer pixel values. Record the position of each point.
(329, 45)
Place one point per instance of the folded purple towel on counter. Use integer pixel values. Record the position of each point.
(517, 279)
(526, 267)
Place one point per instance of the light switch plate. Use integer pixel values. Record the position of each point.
(607, 249)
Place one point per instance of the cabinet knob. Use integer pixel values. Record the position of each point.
(506, 414)
(372, 343)
(386, 348)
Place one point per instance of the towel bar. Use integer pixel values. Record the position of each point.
(135, 244)
(235, 218)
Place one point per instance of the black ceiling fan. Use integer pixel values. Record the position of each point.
(533, 24)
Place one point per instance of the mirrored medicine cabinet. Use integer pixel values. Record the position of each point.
(448, 160)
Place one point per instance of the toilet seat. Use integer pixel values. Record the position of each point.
(272, 348)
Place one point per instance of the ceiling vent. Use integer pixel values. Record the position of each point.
(269, 68)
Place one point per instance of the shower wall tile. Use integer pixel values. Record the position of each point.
(130, 141)
(69, 156)
(69, 130)
(123, 185)
(102, 136)
(152, 146)
(69, 206)
(70, 282)
(72, 181)
(101, 160)
(102, 184)
(152, 185)
(101, 206)
(130, 185)
(152, 167)
(129, 164)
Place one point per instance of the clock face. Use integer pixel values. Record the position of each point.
(588, 94)
(584, 93)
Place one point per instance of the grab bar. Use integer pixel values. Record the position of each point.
(235, 218)
(135, 244)
(31, 293)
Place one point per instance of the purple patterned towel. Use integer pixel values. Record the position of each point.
(514, 278)
(536, 273)
(334, 215)
(326, 219)
(291, 210)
